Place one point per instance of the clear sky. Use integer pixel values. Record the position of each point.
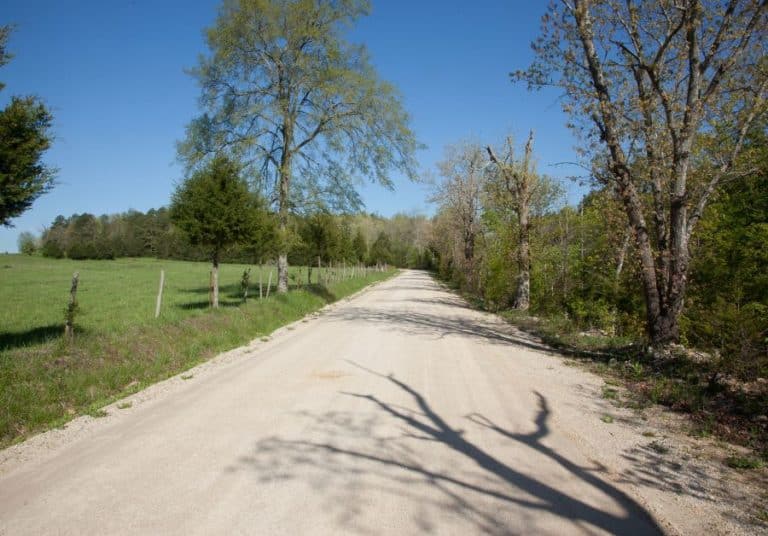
(112, 71)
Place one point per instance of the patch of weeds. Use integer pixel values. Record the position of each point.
(187, 376)
(648, 433)
(124, 405)
(704, 427)
(610, 393)
(743, 462)
(762, 515)
(635, 370)
(265, 339)
(658, 447)
(606, 419)
(97, 413)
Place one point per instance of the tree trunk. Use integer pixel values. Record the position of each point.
(282, 273)
(215, 281)
(283, 200)
(523, 293)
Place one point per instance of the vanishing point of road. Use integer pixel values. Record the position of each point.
(399, 411)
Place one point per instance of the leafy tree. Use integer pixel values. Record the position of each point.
(283, 88)
(25, 135)
(360, 246)
(517, 181)
(28, 243)
(381, 250)
(645, 81)
(728, 303)
(215, 209)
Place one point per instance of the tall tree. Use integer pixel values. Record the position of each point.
(215, 209)
(517, 182)
(283, 88)
(25, 134)
(459, 194)
(645, 81)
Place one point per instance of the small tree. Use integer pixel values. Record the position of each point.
(28, 243)
(215, 209)
(24, 136)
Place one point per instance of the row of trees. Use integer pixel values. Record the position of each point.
(583, 261)
(401, 240)
(668, 102)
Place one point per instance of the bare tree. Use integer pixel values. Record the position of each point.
(459, 195)
(663, 93)
(517, 179)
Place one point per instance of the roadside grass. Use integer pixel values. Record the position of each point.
(684, 384)
(717, 405)
(119, 347)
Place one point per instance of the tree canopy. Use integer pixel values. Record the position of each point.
(662, 95)
(286, 92)
(25, 134)
(215, 208)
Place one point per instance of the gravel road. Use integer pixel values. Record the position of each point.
(400, 411)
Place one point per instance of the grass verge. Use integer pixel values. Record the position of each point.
(687, 382)
(46, 383)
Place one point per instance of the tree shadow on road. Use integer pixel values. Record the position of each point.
(482, 497)
(439, 326)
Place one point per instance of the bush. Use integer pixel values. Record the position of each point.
(28, 243)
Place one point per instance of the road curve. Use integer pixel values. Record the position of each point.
(400, 411)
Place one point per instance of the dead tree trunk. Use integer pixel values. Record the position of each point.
(518, 181)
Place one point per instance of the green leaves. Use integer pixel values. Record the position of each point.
(214, 206)
(24, 136)
(285, 92)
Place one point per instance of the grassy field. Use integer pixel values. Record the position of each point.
(119, 346)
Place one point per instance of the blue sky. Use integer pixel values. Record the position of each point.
(112, 71)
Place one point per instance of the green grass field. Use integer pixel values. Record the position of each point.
(119, 346)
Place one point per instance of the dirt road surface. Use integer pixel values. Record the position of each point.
(400, 411)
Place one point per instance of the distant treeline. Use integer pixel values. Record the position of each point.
(360, 238)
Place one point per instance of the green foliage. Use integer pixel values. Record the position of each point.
(25, 125)
(360, 246)
(28, 243)
(728, 305)
(743, 462)
(381, 250)
(214, 207)
(283, 88)
(25, 135)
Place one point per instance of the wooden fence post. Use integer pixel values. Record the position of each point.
(69, 321)
(160, 293)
